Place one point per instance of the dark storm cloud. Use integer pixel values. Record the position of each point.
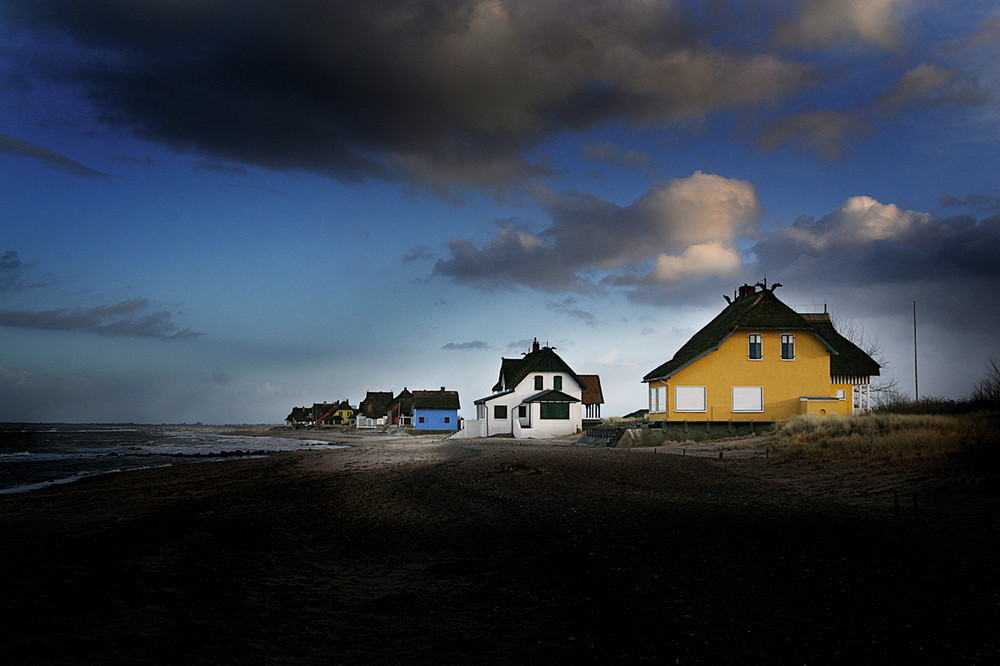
(132, 319)
(570, 307)
(419, 253)
(15, 275)
(610, 153)
(475, 345)
(978, 201)
(866, 242)
(11, 270)
(699, 217)
(48, 157)
(442, 92)
(227, 169)
(827, 133)
(931, 85)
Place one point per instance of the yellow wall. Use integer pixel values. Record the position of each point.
(783, 382)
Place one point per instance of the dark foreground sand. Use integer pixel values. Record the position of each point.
(417, 551)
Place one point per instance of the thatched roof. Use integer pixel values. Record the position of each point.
(375, 404)
(436, 400)
(513, 370)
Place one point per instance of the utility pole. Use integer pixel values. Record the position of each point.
(916, 381)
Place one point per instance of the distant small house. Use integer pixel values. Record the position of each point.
(401, 409)
(435, 410)
(536, 396)
(324, 414)
(300, 417)
(373, 409)
(343, 414)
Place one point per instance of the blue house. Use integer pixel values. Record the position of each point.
(435, 410)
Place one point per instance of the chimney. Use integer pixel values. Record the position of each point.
(442, 389)
(534, 345)
(747, 290)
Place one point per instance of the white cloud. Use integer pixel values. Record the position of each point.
(859, 221)
(701, 216)
(826, 22)
(609, 358)
(698, 261)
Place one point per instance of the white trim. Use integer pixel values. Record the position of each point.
(688, 399)
(752, 395)
(657, 399)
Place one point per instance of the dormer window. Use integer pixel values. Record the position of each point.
(787, 347)
(755, 346)
(557, 382)
(538, 382)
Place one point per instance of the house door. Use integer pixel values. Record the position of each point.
(524, 416)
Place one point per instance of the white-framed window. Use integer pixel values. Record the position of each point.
(748, 398)
(690, 399)
(841, 394)
(657, 399)
(755, 346)
(787, 347)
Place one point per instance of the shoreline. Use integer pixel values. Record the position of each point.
(417, 550)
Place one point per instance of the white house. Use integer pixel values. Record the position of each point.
(536, 396)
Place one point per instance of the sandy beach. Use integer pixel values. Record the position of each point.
(421, 550)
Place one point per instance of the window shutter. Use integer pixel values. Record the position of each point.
(689, 399)
(748, 399)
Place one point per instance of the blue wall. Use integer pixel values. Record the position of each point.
(434, 419)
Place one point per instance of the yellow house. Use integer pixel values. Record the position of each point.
(343, 414)
(759, 360)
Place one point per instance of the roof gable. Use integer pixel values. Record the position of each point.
(514, 370)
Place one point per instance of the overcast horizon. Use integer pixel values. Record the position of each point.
(217, 211)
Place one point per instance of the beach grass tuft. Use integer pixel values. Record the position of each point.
(891, 441)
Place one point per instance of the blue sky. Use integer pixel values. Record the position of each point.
(213, 211)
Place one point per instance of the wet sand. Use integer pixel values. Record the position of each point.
(416, 550)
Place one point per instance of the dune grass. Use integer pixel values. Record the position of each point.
(892, 441)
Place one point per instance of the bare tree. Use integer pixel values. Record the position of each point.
(885, 389)
(987, 390)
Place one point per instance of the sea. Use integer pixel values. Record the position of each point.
(34, 456)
